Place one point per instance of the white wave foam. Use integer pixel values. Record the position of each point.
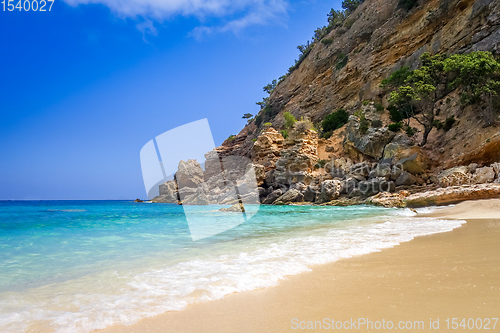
(83, 306)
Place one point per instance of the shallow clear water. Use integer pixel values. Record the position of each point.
(76, 266)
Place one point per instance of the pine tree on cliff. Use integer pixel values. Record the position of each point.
(476, 75)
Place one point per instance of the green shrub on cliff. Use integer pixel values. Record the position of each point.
(327, 41)
(364, 124)
(448, 123)
(410, 131)
(351, 5)
(395, 127)
(395, 115)
(258, 120)
(290, 120)
(397, 78)
(444, 125)
(321, 164)
(342, 60)
(335, 120)
(349, 22)
(407, 4)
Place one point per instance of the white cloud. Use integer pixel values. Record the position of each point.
(237, 14)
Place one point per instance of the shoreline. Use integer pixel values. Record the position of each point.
(446, 275)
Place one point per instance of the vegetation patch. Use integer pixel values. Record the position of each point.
(377, 123)
(364, 125)
(321, 164)
(396, 127)
(342, 60)
(327, 41)
(476, 75)
(335, 120)
(410, 131)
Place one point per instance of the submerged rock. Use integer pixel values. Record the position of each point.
(236, 208)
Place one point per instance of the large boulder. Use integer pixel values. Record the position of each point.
(292, 195)
(348, 185)
(473, 167)
(376, 185)
(406, 179)
(189, 174)
(311, 193)
(330, 190)
(301, 187)
(386, 199)
(272, 197)
(269, 178)
(361, 169)
(440, 196)
(453, 195)
(454, 177)
(383, 170)
(338, 167)
(483, 175)
(412, 159)
(371, 143)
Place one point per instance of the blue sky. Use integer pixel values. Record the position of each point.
(86, 85)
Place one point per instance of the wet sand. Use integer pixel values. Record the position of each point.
(441, 276)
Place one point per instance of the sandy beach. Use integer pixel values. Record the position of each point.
(419, 284)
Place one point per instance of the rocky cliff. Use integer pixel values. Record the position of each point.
(344, 69)
(381, 39)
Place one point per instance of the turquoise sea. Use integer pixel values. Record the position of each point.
(77, 266)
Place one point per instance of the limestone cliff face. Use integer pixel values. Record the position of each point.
(384, 38)
(360, 163)
(267, 149)
(298, 159)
